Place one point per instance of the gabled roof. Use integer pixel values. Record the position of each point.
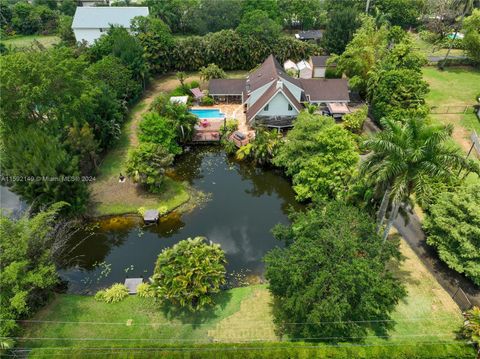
(303, 65)
(104, 16)
(269, 71)
(321, 61)
(324, 90)
(268, 95)
(226, 86)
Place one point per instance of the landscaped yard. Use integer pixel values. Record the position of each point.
(455, 87)
(427, 318)
(433, 50)
(27, 41)
(109, 196)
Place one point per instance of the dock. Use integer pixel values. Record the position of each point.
(150, 216)
(132, 284)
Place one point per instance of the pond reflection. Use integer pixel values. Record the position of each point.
(245, 203)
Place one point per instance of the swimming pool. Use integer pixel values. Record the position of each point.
(208, 113)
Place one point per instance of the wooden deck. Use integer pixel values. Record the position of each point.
(132, 284)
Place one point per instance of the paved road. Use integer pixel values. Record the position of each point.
(448, 279)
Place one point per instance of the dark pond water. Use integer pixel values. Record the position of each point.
(244, 204)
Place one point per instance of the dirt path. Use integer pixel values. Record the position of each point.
(108, 195)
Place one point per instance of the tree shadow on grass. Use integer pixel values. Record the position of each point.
(196, 318)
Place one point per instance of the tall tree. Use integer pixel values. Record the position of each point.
(453, 227)
(404, 13)
(332, 278)
(465, 6)
(257, 24)
(471, 41)
(303, 14)
(341, 26)
(30, 248)
(403, 159)
(319, 155)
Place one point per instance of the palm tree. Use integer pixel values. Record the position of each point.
(467, 6)
(404, 157)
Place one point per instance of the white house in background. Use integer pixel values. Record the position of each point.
(89, 23)
(290, 65)
(273, 98)
(304, 70)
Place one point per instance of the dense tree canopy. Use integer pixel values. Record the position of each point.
(257, 24)
(28, 250)
(453, 227)
(160, 130)
(319, 155)
(471, 41)
(404, 13)
(188, 273)
(147, 163)
(155, 37)
(341, 25)
(333, 270)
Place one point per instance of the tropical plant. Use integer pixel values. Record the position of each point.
(453, 227)
(320, 156)
(114, 294)
(258, 25)
(160, 130)
(181, 76)
(147, 163)
(354, 121)
(332, 270)
(471, 40)
(212, 71)
(30, 249)
(208, 101)
(188, 273)
(471, 326)
(145, 290)
(402, 160)
(263, 148)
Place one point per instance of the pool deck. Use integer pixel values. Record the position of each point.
(211, 132)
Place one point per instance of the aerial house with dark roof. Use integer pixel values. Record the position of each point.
(273, 98)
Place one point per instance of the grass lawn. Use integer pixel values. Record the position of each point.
(425, 326)
(431, 50)
(456, 87)
(108, 196)
(18, 42)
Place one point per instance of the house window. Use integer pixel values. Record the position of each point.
(265, 108)
(290, 108)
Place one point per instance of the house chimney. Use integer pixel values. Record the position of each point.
(279, 84)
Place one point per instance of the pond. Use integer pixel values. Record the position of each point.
(244, 203)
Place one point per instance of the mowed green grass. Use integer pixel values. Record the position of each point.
(452, 86)
(455, 87)
(424, 324)
(20, 42)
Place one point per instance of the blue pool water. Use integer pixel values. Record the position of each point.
(208, 113)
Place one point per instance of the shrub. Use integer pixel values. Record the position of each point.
(188, 273)
(147, 163)
(428, 36)
(116, 293)
(212, 71)
(208, 101)
(332, 73)
(317, 153)
(453, 227)
(354, 121)
(145, 290)
(160, 130)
